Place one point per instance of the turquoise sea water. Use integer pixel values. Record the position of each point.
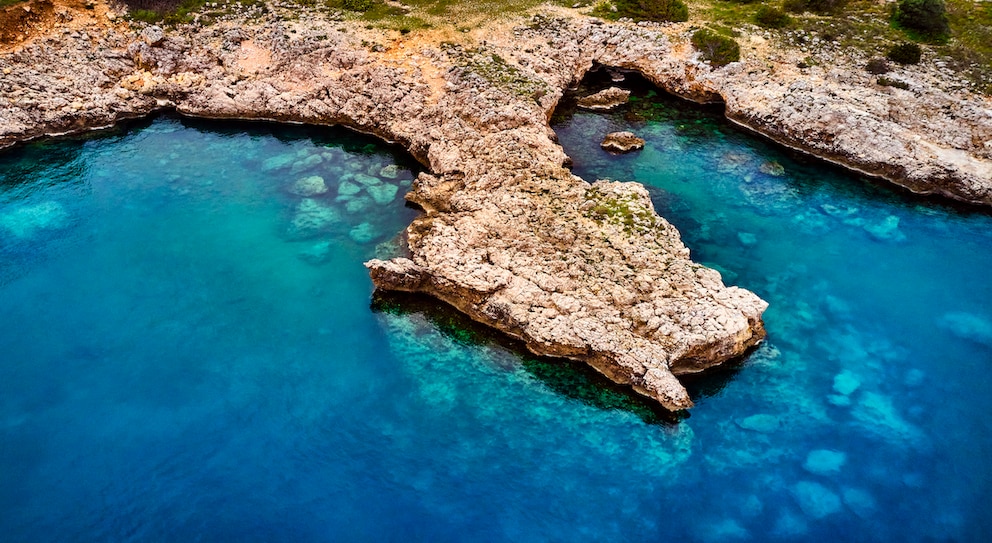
(190, 351)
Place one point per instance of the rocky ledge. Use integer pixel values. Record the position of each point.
(604, 100)
(508, 235)
(622, 142)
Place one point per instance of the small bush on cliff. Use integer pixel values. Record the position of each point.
(358, 5)
(718, 50)
(928, 18)
(823, 7)
(794, 6)
(770, 17)
(905, 53)
(645, 10)
(878, 66)
(163, 11)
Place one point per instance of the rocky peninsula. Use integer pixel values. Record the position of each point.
(509, 236)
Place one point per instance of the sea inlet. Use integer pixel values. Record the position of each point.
(190, 350)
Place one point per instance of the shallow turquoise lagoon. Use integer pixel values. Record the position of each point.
(190, 351)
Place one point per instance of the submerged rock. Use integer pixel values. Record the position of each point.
(846, 383)
(876, 413)
(816, 500)
(317, 253)
(605, 100)
(364, 233)
(367, 180)
(747, 239)
(759, 423)
(886, 230)
(358, 205)
(25, 222)
(278, 162)
(790, 525)
(726, 529)
(312, 217)
(309, 186)
(824, 462)
(967, 326)
(860, 502)
(622, 142)
(307, 163)
(383, 194)
(348, 189)
(839, 400)
(839, 212)
(772, 168)
(391, 171)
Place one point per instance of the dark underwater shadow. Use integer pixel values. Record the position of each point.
(347, 139)
(569, 378)
(19, 166)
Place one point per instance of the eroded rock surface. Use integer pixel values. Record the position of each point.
(604, 100)
(509, 236)
(622, 142)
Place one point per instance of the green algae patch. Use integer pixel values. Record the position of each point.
(626, 211)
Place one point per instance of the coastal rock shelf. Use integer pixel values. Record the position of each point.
(579, 271)
(509, 236)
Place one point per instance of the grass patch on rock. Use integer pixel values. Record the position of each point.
(659, 11)
(623, 210)
(496, 71)
(716, 48)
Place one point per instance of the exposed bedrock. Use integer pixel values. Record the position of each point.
(604, 100)
(508, 235)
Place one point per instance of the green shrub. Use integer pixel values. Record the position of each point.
(927, 17)
(648, 10)
(718, 50)
(826, 7)
(358, 5)
(794, 6)
(769, 17)
(905, 53)
(823, 7)
(145, 15)
(877, 66)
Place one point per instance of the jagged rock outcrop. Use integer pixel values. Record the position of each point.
(604, 100)
(508, 235)
(622, 142)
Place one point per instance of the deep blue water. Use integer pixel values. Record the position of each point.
(190, 351)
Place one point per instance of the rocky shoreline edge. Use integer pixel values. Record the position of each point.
(508, 236)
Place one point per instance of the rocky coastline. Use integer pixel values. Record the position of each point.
(509, 236)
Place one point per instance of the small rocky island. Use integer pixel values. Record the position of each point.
(580, 269)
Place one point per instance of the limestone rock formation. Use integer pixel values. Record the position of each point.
(604, 100)
(581, 271)
(622, 142)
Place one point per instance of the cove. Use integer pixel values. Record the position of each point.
(862, 417)
(188, 351)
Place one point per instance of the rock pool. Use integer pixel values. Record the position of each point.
(189, 350)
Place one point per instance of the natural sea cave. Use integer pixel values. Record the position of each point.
(188, 348)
